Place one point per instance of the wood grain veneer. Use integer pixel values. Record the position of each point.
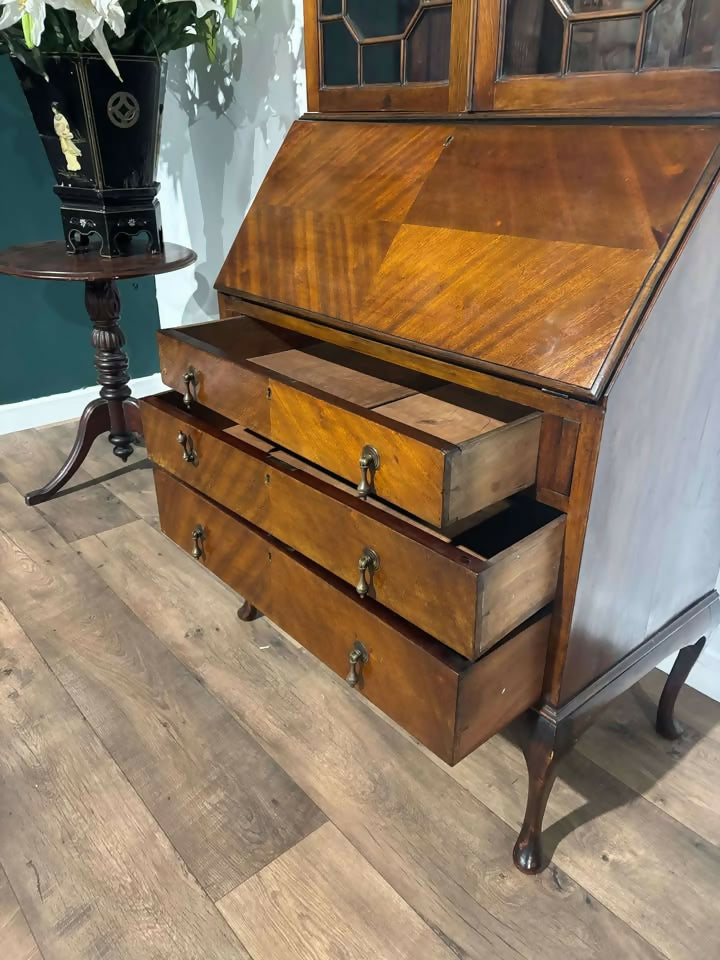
(449, 703)
(324, 520)
(652, 93)
(562, 264)
(441, 461)
(539, 283)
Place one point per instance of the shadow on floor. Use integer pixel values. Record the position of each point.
(144, 464)
(582, 774)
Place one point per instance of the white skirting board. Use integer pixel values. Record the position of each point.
(63, 406)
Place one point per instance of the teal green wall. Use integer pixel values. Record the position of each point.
(44, 329)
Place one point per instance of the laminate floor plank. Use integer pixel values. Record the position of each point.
(440, 848)
(16, 940)
(29, 459)
(681, 777)
(625, 851)
(130, 482)
(323, 900)
(226, 806)
(186, 699)
(94, 875)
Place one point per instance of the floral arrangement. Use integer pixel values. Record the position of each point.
(31, 29)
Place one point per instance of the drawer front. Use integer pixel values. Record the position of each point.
(230, 471)
(412, 472)
(449, 703)
(232, 389)
(467, 603)
(441, 481)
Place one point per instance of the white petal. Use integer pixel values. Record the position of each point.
(12, 12)
(115, 19)
(87, 22)
(101, 45)
(37, 31)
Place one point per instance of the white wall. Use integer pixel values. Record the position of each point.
(220, 134)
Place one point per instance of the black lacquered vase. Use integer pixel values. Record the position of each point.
(102, 137)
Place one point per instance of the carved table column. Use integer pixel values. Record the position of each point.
(115, 411)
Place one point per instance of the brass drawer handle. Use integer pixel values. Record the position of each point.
(358, 656)
(369, 465)
(368, 565)
(189, 379)
(198, 536)
(189, 452)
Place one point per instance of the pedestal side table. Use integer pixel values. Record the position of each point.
(115, 411)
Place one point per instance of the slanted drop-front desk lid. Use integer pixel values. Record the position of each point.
(527, 249)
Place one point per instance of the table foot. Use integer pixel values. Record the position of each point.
(247, 612)
(122, 444)
(94, 422)
(131, 430)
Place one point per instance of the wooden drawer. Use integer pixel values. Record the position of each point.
(444, 453)
(468, 594)
(449, 703)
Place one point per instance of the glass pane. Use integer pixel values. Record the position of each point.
(601, 45)
(381, 62)
(683, 33)
(428, 47)
(330, 7)
(703, 41)
(340, 55)
(381, 18)
(587, 6)
(533, 38)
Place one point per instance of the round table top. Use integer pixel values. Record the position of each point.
(51, 261)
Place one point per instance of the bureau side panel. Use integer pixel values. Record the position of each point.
(653, 539)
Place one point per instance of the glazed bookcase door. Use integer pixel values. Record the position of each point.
(603, 56)
(394, 55)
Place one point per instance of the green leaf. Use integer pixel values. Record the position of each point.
(231, 8)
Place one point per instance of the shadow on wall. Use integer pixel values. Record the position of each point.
(222, 127)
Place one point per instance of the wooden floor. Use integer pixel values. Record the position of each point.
(176, 784)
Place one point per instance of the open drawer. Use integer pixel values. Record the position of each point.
(449, 703)
(468, 593)
(440, 452)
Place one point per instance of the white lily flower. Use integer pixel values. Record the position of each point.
(91, 16)
(203, 7)
(14, 10)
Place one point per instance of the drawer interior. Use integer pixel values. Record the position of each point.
(445, 411)
(496, 573)
(496, 529)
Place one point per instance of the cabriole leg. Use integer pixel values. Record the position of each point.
(666, 724)
(542, 756)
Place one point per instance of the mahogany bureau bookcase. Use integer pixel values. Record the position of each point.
(458, 427)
